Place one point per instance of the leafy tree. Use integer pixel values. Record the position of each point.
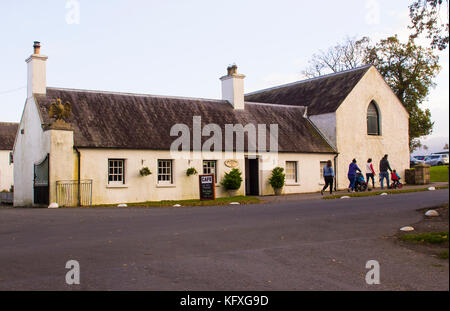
(427, 16)
(409, 70)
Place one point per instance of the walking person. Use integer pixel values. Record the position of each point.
(384, 174)
(352, 169)
(328, 175)
(370, 173)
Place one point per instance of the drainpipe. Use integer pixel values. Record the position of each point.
(79, 175)
(335, 172)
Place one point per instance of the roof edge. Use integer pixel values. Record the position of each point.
(309, 80)
(136, 94)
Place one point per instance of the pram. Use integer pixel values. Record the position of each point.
(360, 183)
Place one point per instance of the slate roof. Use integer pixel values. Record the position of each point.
(133, 121)
(321, 95)
(8, 131)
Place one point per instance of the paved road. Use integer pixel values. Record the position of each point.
(305, 245)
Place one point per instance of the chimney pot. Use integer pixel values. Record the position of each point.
(37, 47)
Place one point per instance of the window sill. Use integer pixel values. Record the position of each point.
(292, 185)
(165, 186)
(116, 186)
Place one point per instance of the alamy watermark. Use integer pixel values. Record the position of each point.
(73, 13)
(73, 275)
(373, 275)
(229, 141)
(373, 12)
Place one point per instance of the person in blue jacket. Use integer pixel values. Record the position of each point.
(352, 169)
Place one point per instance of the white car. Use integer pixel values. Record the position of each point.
(437, 159)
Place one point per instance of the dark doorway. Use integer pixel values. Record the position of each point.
(41, 182)
(251, 177)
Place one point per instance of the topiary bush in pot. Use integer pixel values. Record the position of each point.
(232, 181)
(277, 180)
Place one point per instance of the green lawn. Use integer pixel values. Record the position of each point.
(374, 193)
(430, 238)
(219, 201)
(439, 173)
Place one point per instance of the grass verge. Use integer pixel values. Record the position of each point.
(374, 193)
(439, 173)
(427, 238)
(218, 201)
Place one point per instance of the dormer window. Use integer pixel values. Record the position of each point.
(373, 120)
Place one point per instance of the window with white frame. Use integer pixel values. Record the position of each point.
(322, 166)
(291, 172)
(116, 171)
(210, 167)
(165, 172)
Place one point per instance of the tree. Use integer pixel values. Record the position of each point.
(343, 56)
(426, 17)
(409, 70)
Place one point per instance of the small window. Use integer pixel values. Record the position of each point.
(322, 165)
(116, 171)
(165, 174)
(210, 167)
(373, 120)
(11, 158)
(291, 172)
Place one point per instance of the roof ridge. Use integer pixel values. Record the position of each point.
(276, 105)
(137, 94)
(310, 79)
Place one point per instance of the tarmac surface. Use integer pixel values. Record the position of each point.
(290, 245)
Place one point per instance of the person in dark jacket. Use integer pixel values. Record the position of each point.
(384, 174)
(352, 169)
(328, 175)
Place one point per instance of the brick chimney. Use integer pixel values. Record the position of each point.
(37, 76)
(233, 87)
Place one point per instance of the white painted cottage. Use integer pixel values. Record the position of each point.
(8, 132)
(96, 157)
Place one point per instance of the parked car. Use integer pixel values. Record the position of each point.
(437, 159)
(413, 161)
(421, 158)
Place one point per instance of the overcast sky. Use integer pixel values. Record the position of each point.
(183, 47)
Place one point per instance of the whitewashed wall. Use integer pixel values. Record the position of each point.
(94, 165)
(351, 128)
(6, 171)
(29, 148)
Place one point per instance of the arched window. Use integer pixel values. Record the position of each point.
(373, 120)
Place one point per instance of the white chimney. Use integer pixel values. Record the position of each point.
(233, 87)
(37, 76)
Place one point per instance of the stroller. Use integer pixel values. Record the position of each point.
(360, 183)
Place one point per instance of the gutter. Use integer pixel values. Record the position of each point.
(335, 171)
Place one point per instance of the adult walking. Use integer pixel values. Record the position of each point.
(384, 168)
(352, 169)
(370, 173)
(328, 175)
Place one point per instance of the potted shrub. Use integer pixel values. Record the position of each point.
(191, 171)
(277, 180)
(232, 181)
(145, 171)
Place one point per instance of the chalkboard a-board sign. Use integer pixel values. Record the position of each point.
(207, 187)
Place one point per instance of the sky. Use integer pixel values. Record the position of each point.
(181, 48)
